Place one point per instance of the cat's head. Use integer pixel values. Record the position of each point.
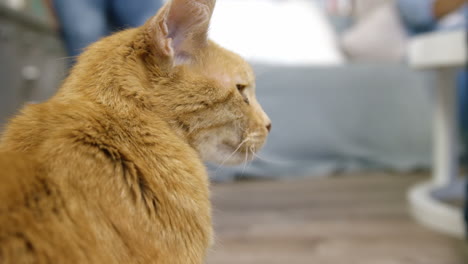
(208, 92)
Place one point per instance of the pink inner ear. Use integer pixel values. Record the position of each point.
(177, 37)
(186, 21)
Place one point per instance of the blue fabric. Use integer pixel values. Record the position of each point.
(417, 15)
(83, 22)
(134, 14)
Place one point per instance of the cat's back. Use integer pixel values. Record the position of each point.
(42, 219)
(31, 207)
(17, 177)
(68, 163)
(19, 193)
(37, 225)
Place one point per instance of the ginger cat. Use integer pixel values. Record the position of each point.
(110, 169)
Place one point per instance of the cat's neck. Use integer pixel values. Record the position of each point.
(120, 76)
(108, 72)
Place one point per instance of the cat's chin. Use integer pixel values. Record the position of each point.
(225, 154)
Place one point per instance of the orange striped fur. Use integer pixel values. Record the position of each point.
(110, 169)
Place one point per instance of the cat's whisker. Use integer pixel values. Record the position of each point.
(262, 158)
(254, 136)
(254, 154)
(247, 164)
(245, 161)
(232, 154)
(249, 138)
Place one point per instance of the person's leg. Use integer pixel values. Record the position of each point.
(465, 214)
(81, 22)
(417, 15)
(462, 85)
(132, 13)
(462, 81)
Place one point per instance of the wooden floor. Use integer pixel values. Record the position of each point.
(344, 219)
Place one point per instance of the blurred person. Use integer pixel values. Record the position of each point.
(421, 16)
(83, 22)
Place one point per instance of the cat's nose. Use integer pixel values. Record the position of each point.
(268, 127)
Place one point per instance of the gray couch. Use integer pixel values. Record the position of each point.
(331, 119)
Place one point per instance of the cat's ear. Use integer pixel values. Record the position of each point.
(180, 29)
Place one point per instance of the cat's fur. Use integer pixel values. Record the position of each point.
(110, 170)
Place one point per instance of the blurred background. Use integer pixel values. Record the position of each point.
(367, 99)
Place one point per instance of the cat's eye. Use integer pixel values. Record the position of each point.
(241, 87)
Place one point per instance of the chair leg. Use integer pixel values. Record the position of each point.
(428, 200)
(445, 129)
